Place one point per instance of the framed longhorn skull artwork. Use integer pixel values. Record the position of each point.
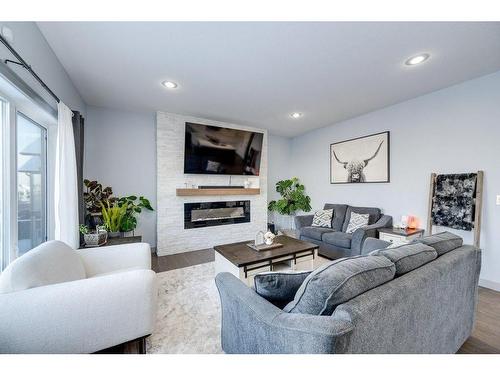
(360, 160)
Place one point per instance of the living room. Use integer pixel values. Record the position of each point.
(289, 186)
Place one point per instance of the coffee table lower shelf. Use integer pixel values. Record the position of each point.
(302, 261)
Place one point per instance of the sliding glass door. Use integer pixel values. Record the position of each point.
(31, 160)
(27, 140)
(3, 181)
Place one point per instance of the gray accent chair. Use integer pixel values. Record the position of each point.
(430, 309)
(334, 242)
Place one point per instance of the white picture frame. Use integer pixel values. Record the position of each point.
(361, 160)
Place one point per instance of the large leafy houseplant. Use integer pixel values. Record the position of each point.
(133, 206)
(293, 199)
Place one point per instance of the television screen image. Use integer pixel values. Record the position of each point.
(216, 150)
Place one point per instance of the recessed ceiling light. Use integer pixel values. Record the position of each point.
(169, 84)
(296, 115)
(417, 59)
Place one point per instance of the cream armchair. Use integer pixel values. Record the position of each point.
(54, 299)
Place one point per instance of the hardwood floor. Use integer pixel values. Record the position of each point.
(484, 340)
(486, 336)
(181, 260)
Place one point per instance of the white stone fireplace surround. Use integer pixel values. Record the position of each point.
(172, 237)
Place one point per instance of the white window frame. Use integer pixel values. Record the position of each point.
(19, 103)
(5, 170)
(44, 177)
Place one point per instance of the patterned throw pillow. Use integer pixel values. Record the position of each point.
(357, 221)
(323, 218)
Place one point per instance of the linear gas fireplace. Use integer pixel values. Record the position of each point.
(207, 214)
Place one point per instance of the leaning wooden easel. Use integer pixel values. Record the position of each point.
(478, 206)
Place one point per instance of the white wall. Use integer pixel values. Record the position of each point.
(120, 151)
(32, 46)
(449, 131)
(172, 237)
(279, 163)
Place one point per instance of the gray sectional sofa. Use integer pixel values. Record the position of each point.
(418, 298)
(334, 242)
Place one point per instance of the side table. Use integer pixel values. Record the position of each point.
(398, 236)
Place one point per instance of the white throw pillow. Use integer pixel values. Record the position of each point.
(323, 218)
(357, 221)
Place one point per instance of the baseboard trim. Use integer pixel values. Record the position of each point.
(160, 254)
(489, 284)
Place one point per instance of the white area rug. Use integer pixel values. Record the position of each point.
(188, 319)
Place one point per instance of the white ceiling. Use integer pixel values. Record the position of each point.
(258, 73)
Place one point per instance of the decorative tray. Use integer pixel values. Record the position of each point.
(264, 246)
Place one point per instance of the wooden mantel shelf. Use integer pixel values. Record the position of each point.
(217, 191)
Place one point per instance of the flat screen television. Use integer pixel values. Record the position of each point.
(215, 150)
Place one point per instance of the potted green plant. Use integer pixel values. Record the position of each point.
(93, 238)
(113, 216)
(93, 195)
(293, 199)
(133, 207)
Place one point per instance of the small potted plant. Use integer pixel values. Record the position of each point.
(93, 195)
(94, 238)
(113, 216)
(134, 206)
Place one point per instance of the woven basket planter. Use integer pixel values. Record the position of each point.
(95, 239)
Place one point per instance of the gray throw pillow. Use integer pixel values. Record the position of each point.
(357, 221)
(339, 281)
(409, 257)
(323, 218)
(442, 242)
(279, 288)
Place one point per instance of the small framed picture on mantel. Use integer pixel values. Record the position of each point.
(361, 160)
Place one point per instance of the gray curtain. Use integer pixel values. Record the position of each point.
(78, 123)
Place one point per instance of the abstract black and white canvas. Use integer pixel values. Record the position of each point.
(453, 202)
(360, 160)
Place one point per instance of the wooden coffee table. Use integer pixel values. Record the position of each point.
(244, 262)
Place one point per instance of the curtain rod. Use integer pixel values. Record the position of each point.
(20, 84)
(25, 65)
